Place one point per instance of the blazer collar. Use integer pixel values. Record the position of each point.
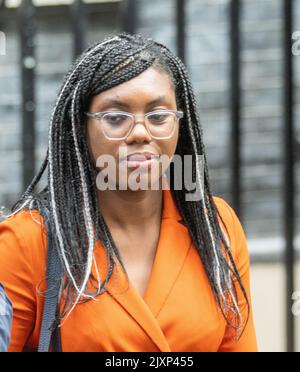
(172, 249)
(169, 207)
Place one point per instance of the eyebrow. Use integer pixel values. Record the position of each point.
(116, 102)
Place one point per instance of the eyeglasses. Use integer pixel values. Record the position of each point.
(117, 125)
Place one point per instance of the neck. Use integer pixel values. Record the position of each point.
(127, 210)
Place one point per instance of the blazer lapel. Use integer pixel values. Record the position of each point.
(174, 243)
(172, 250)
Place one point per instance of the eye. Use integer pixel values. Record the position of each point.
(115, 119)
(159, 117)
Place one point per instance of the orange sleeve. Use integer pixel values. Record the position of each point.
(247, 342)
(17, 274)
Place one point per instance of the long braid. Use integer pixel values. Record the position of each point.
(209, 206)
(71, 189)
(51, 176)
(198, 173)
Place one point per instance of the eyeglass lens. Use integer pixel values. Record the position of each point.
(118, 125)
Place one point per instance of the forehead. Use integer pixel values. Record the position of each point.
(147, 86)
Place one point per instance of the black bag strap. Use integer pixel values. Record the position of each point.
(50, 333)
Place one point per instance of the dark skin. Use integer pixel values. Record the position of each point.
(134, 217)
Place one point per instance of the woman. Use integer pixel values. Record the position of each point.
(146, 268)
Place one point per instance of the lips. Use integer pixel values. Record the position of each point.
(141, 160)
(140, 156)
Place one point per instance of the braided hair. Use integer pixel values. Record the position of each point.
(71, 193)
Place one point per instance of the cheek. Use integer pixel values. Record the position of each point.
(171, 144)
(97, 143)
(168, 148)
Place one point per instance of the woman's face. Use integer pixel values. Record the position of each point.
(151, 90)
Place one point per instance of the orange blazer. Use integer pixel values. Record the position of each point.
(177, 313)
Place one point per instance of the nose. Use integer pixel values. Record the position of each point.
(139, 133)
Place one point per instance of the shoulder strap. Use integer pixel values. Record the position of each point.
(49, 331)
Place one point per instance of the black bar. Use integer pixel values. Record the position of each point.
(180, 22)
(289, 171)
(235, 105)
(129, 12)
(27, 33)
(79, 26)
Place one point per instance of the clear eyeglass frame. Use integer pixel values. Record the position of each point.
(98, 116)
